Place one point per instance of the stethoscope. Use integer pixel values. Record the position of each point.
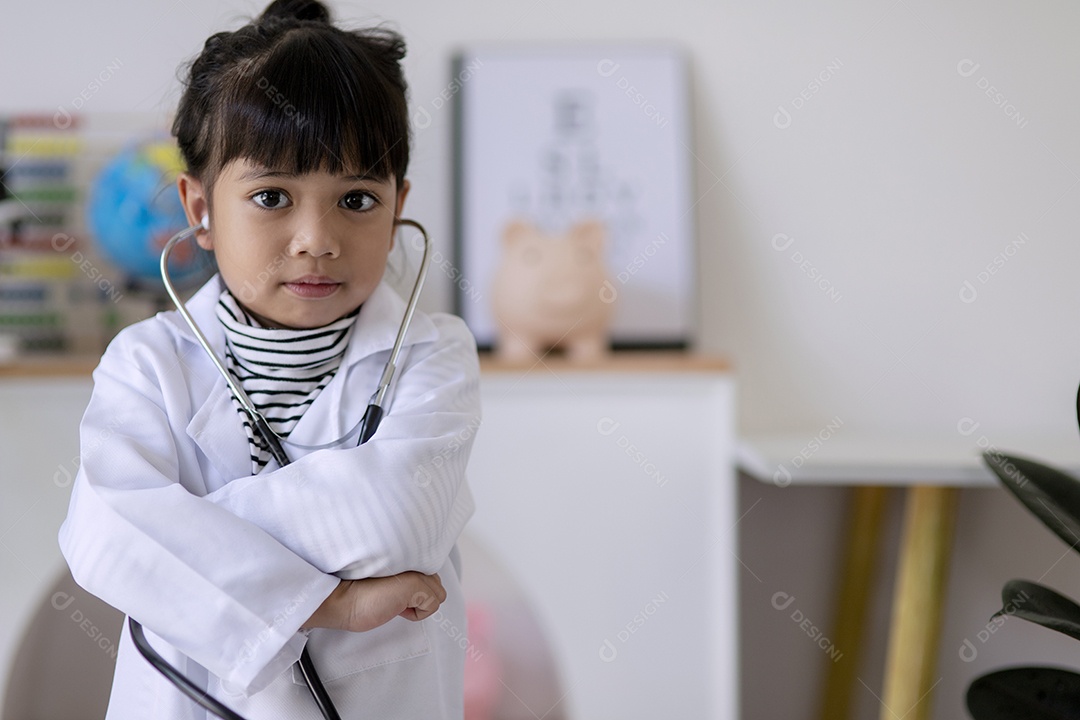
(367, 426)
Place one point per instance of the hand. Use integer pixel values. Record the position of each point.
(361, 605)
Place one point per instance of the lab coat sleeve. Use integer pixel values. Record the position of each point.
(399, 501)
(216, 587)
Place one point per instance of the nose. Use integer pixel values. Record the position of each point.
(315, 235)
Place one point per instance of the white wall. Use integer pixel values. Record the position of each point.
(899, 179)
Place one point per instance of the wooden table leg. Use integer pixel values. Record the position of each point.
(926, 544)
(861, 551)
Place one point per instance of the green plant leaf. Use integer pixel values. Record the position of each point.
(1041, 605)
(1078, 406)
(1053, 496)
(1033, 693)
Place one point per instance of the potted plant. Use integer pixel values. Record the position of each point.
(1034, 692)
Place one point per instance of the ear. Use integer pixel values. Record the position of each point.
(402, 193)
(399, 206)
(591, 233)
(196, 204)
(515, 231)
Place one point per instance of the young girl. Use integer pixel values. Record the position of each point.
(295, 135)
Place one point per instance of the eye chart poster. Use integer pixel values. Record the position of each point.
(554, 139)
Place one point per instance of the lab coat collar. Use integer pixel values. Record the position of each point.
(216, 425)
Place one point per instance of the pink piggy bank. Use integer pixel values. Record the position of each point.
(547, 293)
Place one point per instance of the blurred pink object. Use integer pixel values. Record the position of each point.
(482, 666)
(548, 292)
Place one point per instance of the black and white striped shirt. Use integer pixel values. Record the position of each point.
(282, 370)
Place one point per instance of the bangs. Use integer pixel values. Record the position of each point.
(289, 112)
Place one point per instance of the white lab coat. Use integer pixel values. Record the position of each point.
(167, 524)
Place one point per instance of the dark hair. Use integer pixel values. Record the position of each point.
(293, 92)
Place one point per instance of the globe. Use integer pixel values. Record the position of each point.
(133, 209)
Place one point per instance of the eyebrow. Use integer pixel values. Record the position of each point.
(259, 173)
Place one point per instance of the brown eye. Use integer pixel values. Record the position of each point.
(271, 199)
(359, 201)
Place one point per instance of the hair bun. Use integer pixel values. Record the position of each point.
(297, 10)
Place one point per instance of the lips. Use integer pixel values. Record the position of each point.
(313, 286)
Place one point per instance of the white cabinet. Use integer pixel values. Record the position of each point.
(609, 495)
(39, 455)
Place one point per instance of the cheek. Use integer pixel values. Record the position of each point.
(236, 267)
(379, 264)
(246, 254)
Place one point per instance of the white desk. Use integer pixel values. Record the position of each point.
(847, 458)
(932, 469)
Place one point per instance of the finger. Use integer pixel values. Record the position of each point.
(426, 611)
(437, 593)
(421, 614)
(437, 587)
(418, 613)
(425, 600)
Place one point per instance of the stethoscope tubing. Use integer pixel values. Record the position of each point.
(368, 425)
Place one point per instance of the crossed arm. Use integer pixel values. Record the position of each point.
(263, 556)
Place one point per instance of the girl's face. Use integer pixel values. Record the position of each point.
(297, 251)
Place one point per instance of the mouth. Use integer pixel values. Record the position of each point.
(313, 286)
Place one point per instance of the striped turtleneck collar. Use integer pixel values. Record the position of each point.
(282, 370)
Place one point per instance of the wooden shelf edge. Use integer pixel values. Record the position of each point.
(622, 361)
(58, 366)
